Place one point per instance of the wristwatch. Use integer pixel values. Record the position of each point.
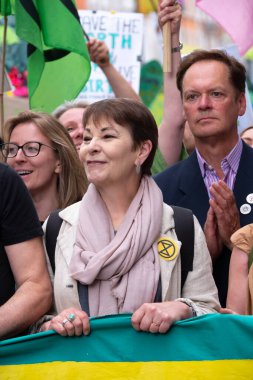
(177, 48)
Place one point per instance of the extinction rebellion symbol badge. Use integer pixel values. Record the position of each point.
(167, 248)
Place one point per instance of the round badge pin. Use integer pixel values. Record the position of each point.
(245, 209)
(167, 248)
(249, 198)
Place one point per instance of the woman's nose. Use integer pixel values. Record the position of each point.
(20, 156)
(94, 144)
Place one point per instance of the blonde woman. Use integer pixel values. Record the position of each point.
(40, 150)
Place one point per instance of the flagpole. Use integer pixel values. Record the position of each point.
(167, 48)
(2, 76)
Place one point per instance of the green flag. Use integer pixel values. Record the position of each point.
(151, 81)
(6, 7)
(58, 59)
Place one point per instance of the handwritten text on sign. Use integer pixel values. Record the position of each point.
(123, 34)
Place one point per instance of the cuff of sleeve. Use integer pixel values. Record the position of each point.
(37, 325)
(190, 304)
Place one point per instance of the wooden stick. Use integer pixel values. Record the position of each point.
(2, 77)
(167, 67)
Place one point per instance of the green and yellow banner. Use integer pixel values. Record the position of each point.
(208, 347)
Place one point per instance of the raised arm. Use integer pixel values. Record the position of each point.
(33, 295)
(171, 129)
(99, 54)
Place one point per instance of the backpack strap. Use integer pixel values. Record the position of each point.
(53, 226)
(184, 227)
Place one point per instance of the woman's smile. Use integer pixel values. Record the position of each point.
(107, 153)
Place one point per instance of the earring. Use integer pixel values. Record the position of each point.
(138, 169)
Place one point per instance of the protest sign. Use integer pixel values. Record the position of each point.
(122, 33)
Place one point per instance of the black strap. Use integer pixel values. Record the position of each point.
(52, 230)
(184, 227)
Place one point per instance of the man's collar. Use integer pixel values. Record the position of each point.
(232, 158)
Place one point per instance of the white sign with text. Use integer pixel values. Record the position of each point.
(123, 35)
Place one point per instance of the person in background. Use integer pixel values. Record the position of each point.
(107, 257)
(40, 150)
(25, 288)
(247, 136)
(70, 113)
(175, 128)
(171, 130)
(99, 54)
(215, 181)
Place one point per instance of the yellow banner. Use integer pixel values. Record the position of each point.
(204, 370)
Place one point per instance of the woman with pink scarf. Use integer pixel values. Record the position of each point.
(108, 254)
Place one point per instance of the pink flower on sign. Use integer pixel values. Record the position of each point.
(234, 16)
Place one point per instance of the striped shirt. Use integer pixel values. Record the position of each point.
(229, 166)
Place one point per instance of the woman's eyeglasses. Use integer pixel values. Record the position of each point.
(30, 149)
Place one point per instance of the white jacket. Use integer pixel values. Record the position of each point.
(199, 288)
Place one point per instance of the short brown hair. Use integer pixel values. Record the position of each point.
(131, 114)
(72, 182)
(237, 72)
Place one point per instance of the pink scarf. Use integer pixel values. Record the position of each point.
(122, 270)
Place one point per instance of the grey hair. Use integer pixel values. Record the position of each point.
(68, 105)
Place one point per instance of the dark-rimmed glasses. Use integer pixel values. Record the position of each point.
(30, 149)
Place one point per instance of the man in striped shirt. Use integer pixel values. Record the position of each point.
(216, 181)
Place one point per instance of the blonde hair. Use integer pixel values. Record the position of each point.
(72, 181)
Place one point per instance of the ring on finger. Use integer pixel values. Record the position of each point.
(65, 320)
(71, 317)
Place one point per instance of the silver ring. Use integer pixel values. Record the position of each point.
(65, 320)
(71, 317)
